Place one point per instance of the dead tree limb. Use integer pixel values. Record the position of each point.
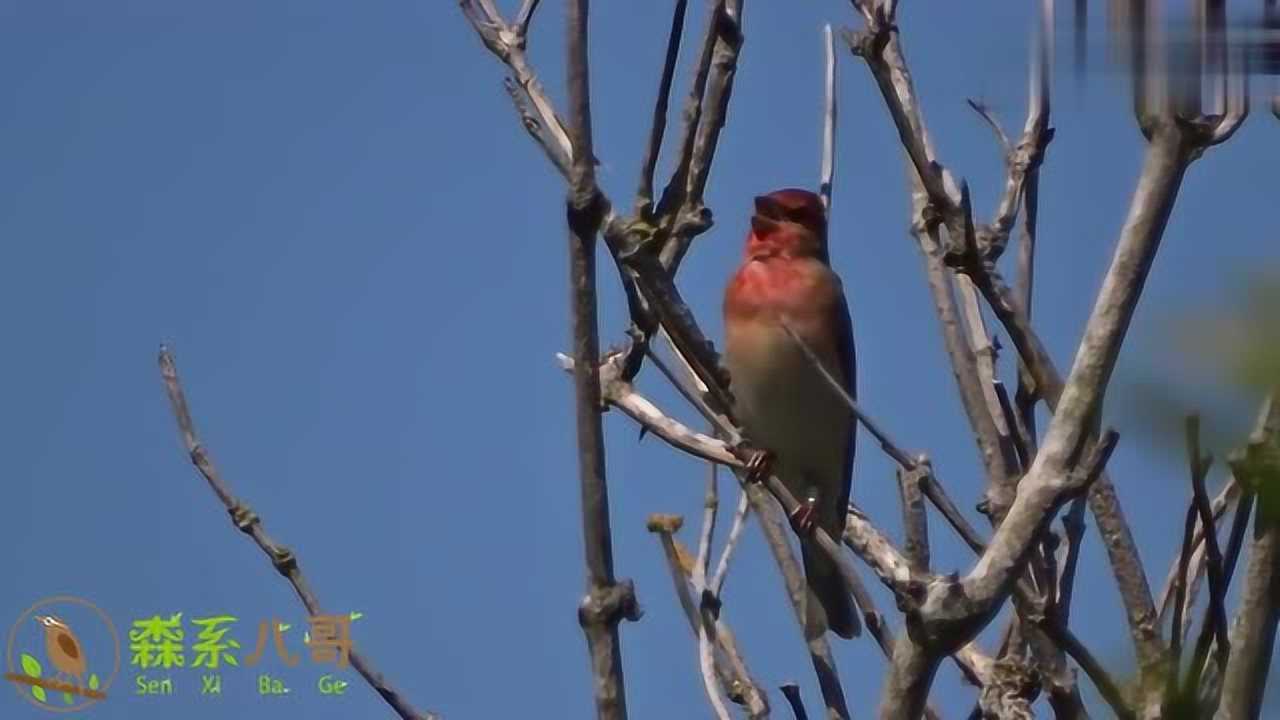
(248, 522)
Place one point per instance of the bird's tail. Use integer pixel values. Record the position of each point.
(829, 603)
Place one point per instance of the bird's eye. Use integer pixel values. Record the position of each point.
(802, 216)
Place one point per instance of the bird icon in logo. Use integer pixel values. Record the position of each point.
(62, 648)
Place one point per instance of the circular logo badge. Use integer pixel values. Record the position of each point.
(63, 654)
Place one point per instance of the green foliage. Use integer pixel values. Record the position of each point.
(93, 681)
(39, 693)
(1259, 467)
(1217, 361)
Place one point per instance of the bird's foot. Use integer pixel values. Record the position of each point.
(760, 466)
(802, 517)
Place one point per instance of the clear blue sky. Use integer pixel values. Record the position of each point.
(332, 214)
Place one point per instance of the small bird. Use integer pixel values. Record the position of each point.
(783, 402)
(62, 648)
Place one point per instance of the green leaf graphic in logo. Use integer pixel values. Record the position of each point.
(31, 666)
(66, 698)
(93, 681)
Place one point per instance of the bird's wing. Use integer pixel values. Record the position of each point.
(848, 357)
(68, 646)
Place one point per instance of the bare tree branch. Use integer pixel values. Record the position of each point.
(1229, 494)
(681, 206)
(1204, 684)
(620, 394)
(964, 362)
(1173, 148)
(944, 613)
(1217, 614)
(824, 664)
(248, 522)
(507, 43)
(607, 601)
(731, 670)
(914, 522)
(1254, 629)
(1002, 487)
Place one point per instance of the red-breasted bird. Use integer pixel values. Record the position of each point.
(783, 401)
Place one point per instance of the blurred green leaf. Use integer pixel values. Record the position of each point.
(39, 694)
(31, 666)
(93, 681)
(1216, 359)
(68, 699)
(1241, 341)
(1259, 467)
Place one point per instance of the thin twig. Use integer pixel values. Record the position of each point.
(644, 195)
(1073, 528)
(891, 448)
(731, 669)
(1204, 681)
(1229, 494)
(984, 112)
(1217, 588)
(1179, 598)
(791, 692)
(248, 522)
(735, 531)
(525, 16)
(1203, 671)
(708, 605)
(825, 182)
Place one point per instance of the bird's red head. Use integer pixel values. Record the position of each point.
(790, 222)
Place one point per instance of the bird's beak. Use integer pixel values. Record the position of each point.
(762, 226)
(768, 207)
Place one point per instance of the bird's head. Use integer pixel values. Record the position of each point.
(50, 621)
(791, 223)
